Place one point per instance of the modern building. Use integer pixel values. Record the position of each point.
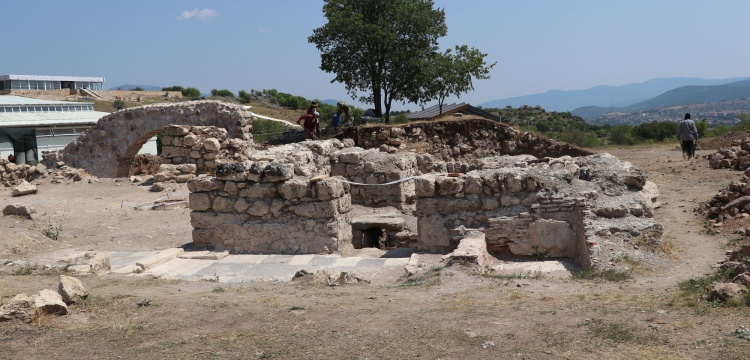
(29, 126)
(42, 82)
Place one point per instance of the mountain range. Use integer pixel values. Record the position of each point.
(605, 96)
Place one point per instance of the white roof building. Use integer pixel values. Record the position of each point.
(29, 126)
(44, 82)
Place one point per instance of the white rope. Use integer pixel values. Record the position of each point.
(392, 182)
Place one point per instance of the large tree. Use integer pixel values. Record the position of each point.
(378, 48)
(451, 73)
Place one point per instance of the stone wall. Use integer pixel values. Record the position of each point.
(467, 139)
(585, 208)
(271, 205)
(107, 149)
(12, 173)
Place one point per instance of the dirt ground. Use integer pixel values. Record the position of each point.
(448, 314)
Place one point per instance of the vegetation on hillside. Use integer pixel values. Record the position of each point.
(572, 129)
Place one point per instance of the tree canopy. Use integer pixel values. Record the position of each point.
(381, 49)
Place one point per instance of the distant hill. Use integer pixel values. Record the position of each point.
(603, 96)
(131, 87)
(726, 98)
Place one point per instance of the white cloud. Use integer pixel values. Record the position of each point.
(200, 14)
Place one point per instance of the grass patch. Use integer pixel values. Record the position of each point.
(529, 275)
(24, 270)
(602, 275)
(621, 333)
(692, 292)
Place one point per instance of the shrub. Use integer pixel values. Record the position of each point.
(118, 104)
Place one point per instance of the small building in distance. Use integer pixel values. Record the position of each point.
(450, 111)
(43, 82)
(29, 126)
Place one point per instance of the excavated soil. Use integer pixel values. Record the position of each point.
(448, 314)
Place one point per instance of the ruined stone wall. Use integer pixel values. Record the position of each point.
(271, 204)
(374, 167)
(192, 150)
(107, 149)
(12, 173)
(584, 208)
(467, 139)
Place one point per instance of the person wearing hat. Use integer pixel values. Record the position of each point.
(312, 119)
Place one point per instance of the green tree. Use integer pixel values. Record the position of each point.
(137, 88)
(244, 97)
(222, 93)
(379, 48)
(451, 73)
(702, 127)
(192, 93)
(173, 88)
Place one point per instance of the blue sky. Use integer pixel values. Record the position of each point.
(539, 45)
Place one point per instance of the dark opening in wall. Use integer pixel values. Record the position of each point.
(374, 238)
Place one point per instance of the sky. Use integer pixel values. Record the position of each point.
(539, 45)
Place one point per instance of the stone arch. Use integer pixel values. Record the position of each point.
(107, 149)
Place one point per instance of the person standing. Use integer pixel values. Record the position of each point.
(336, 121)
(688, 135)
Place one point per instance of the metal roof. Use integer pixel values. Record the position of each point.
(434, 111)
(20, 100)
(51, 78)
(50, 118)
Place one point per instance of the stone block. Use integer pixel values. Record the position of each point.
(212, 144)
(449, 185)
(205, 184)
(275, 172)
(295, 189)
(199, 201)
(211, 220)
(424, 186)
(329, 188)
(259, 190)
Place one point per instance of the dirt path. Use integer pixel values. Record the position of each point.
(448, 314)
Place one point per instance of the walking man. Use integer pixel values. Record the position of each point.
(688, 135)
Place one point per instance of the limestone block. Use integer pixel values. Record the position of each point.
(189, 140)
(222, 203)
(71, 289)
(259, 190)
(230, 187)
(260, 207)
(24, 188)
(509, 200)
(473, 184)
(433, 236)
(210, 156)
(195, 154)
(329, 188)
(211, 164)
(205, 184)
(163, 176)
(424, 186)
(295, 188)
(350, 155)
(241, 205)
(276, 207)
(490, 203)
(211, 220)
(212, 144)
(199, 201)
(449, 185)
(316, 209)
(50, 302)
(177, 141)
(445, 206)
(188, 168)
(18, 210)
(172, 152)
(176, 130)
